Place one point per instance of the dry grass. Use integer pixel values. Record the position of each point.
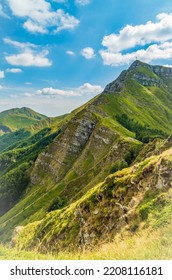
(146, 245)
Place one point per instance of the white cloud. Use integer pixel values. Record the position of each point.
(27, 94)
(70, 52)
(82, 2)
(34, 27)
(26, 7)
(88, 53)
(80, 91)
(158, 37)
(52, 91)
(90, 89)
(25, 45)
(29, 59)
(2, 13)
(65, 21)
(131, 36)
(2, 75)
(168, 65)
(30, 56)
(28, 83)
(1, 87)
(39, 16)
(153, 52)
(14, 70)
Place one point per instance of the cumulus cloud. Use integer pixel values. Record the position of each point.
(87, 88)
(2, 13)
(29, 59)
(153, 52)
(52, 91)
(65, 21)
(82, 2)
(34, 27)
(2, 75)
(39, 16)
(156, 35)
(80, 91)
(88, 53)
(30, 55)
(14, 70)
(70, 52)
(131, 36)
(1, 87)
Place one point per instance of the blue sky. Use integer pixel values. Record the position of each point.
(58, 54)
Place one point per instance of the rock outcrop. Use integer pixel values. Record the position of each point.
(159, 76)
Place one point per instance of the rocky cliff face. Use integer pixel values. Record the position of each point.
(140, 72)
(54, 163)
(84, 152)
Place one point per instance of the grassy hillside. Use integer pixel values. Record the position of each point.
(147, 244)
(15, 119)
(103, 170)
(149, 107)
(16, 166)
(84, 172)
(130, 200)
(18, 124)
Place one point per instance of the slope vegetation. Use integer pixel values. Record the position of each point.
(103, 169)
(134, 198)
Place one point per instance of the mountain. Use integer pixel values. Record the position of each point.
(18, 124)
(17, 118)
(127, 201)
(143, 95)
(101, 170)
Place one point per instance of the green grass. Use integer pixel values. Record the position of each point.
(20, 118)
(153, 209)
(83, 174)
(146, 71)
(149, 244)
(144, 105)
(7, 253)
(67, 176)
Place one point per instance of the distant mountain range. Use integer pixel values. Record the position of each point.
(79, 180)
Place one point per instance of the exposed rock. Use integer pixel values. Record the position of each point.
(55, 161)
(96, 211)
(161, 75)
(146, 80)
(116, 85)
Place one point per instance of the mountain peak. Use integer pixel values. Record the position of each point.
(137, 63)
(144, 74)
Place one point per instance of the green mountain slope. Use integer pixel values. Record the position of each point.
(131, 199)
(125, 128)
(19, 150)
(18, 124)
(140, 99)
(15, 119)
